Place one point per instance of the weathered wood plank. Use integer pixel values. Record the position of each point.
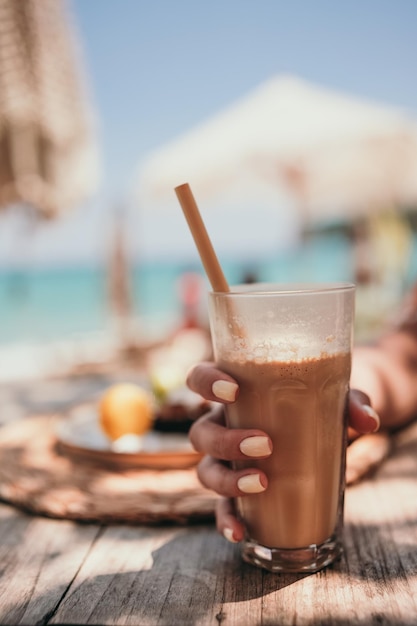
(38, 558)
(115, 573)
(58, 572)
(150, 576)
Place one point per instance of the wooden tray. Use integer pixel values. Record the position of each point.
(37, 475)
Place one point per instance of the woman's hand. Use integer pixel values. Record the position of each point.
(222, 445)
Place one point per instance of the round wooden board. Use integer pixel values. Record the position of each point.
(36, 476)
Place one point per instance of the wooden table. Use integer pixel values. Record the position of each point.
(61, 572)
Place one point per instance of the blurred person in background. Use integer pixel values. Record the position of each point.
(191, 291)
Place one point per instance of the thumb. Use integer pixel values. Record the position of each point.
(362, 417)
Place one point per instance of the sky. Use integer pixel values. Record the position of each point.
(158, 68)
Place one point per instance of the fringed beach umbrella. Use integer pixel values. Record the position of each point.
(48, 158)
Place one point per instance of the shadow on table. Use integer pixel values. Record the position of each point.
(374, 553)
(195, 574)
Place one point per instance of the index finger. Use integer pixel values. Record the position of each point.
(212, 383)
(210, 436)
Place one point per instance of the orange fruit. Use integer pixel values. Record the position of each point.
(125, 408)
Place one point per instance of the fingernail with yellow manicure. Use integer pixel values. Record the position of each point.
(255, 446)
(250, 483)
(225, 390)
(228, 534)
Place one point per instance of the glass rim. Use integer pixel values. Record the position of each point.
(283, 289)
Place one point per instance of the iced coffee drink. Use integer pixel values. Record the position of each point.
(290, 351)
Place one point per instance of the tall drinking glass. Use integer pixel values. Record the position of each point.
(289, 348)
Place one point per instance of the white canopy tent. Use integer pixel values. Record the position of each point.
(338, 156)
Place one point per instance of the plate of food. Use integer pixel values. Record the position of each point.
(125, 429)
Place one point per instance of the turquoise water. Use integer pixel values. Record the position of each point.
(54, 303)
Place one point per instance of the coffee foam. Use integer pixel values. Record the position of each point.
(294, 348)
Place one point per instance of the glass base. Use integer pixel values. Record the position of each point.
(300, 560)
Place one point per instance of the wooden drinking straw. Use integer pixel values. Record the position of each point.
(208, 256)
(202, 240)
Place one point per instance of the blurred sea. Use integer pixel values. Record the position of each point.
(49, 304)
(41, 307)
